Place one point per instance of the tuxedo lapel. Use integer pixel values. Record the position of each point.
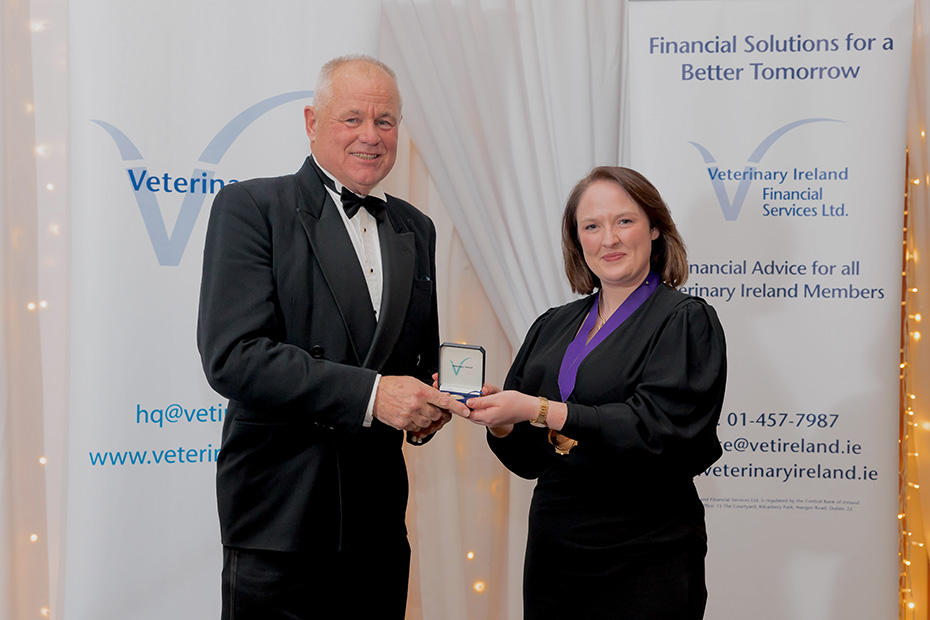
(333, 250)
(398, 263)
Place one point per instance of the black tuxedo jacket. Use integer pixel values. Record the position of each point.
(286, 331)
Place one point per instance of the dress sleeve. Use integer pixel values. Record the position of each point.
(669, 422)
(521, 451)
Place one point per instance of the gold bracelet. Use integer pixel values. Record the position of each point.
(543, 412)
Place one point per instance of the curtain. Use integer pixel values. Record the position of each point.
(24, 574)
(508, 118)
(466, 515)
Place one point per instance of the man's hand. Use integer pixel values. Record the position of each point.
(410, 405)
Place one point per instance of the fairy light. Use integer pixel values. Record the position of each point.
(479, 586)
(470, 555)
(43, 460)
(34, 538)
(910, 337)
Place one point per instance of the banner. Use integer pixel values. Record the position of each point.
(168, 106)
(776, 133)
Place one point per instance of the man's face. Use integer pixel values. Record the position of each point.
(354, 134)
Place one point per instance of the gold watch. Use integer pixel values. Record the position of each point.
(543, 412)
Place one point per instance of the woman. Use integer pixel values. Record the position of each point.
(612, 404)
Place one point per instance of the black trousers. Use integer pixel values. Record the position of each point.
(273, 585)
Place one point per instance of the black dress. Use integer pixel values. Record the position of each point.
(616, 529)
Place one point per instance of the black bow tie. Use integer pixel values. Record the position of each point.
(352, 201)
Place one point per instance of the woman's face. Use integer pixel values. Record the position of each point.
(616, 236)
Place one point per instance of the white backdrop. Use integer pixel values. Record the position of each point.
(776, 132)
(151, 91)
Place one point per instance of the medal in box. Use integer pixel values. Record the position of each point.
(461, 370)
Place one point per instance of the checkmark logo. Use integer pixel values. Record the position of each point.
(169, 248)
(731, 208)
(456, 368)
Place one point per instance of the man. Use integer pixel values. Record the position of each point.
(319, 323)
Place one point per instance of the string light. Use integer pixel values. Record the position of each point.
(470, 555)
(479, 586)
(43, 460)
(34, 538)
(909, 338)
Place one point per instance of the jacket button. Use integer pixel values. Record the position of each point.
(316, 351)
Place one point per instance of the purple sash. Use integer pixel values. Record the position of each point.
(579, 349)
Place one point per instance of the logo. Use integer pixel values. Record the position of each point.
(750, 172)
(456, 368)
(169, 248)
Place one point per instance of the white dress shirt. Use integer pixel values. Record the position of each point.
(363, 231)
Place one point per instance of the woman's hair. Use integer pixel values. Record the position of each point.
(668, 258)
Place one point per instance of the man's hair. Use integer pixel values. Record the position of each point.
(324, 82)
(668, 257)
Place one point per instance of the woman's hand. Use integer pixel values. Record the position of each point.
(499, 411)
(487, 389)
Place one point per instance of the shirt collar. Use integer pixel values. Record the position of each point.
(376, 191)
